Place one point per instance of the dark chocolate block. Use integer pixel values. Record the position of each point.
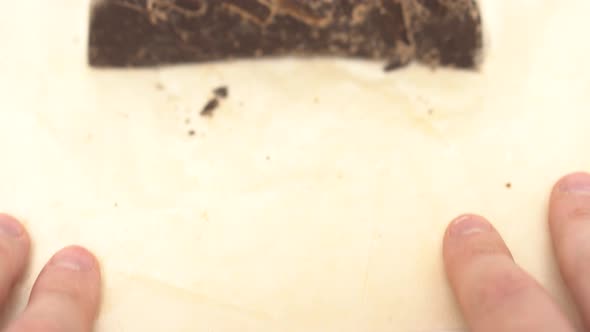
(134, 33)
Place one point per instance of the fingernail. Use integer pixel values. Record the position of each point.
(10, 226)
(467, 225)
(74, 258)
(578, 183)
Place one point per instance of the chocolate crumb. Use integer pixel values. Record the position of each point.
(191, 133)
(508, 185)
(210, 107)
(221, 92)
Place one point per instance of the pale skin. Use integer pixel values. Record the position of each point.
(493, 292)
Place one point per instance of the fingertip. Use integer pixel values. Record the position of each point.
(75, 258)
(66, 295)
(464, 235)
(573, 183)
(493, 293)
(73, 272)
(467, 224)
(569, 203)
(569, 223)
(13, 228)
(14, 253)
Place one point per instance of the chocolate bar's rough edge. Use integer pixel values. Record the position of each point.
(426, 40)
(435, 26)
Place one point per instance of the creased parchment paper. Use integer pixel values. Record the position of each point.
(316, 197)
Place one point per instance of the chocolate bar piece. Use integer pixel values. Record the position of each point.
(136, 33)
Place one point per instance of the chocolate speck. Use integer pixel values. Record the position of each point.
(191, 133)
(508, 185)
(210, 107)
(221, 92)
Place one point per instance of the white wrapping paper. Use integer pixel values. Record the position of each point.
(316, 197)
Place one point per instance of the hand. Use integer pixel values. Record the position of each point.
(495, 294)
(66, 295)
